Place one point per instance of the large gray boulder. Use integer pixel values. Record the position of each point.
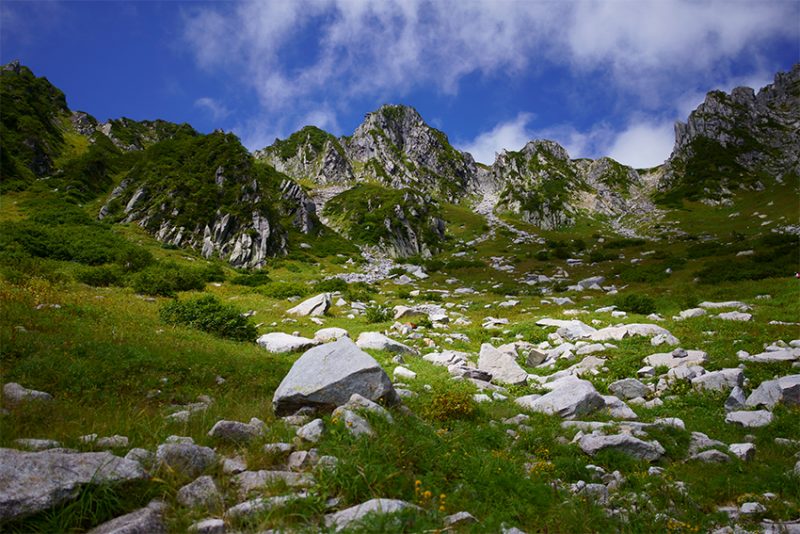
(748, 419)
(327, 376)
(677, 358)
(628, 388)
(280, 343)
(721, 380)
(342, 520)
(501, 365)
(651, 451)
(314, 306)
(773, 356)
(31, 482)
(571, 397)
(148, 520)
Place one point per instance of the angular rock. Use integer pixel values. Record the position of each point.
(14, 393)
(743, 451)
(353, 423)
(785, 389)
(248, 481)
(711, 456)
(628, 388)
(404, 373)
(187, 459)
(236, 431)
(325, 335)
(32, 482)
(772, 356)
(735, 316)
(735, 400)
(572, 398)
(502, 366)
(280, 343)
(651, 451)
(201, 493)
(208, 526)
(748, 419)
(459, 518)
(700, 441)
(315, 306)
(312, 431)
(672, 360)
(377, 341)
(148, 520)
(31, 444)
(327, 376)
(260, 505)
(719, 380)
(345, 518)
(618, 409)
(691, 313)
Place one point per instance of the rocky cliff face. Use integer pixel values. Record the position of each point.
(737, 140)
(394, 146)
(207, 193)
(310, 154)
(548, 189)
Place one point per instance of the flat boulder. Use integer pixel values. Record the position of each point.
(773, 356)
(628, 388)
(32, 482)
(333, 333)
(315, 306)
(377, 341)
(619, 332)
(345, 518)
(677, 358)
(651, 451)
(149, 519)
(501, 365)
(570, 397)
(327, 376)
(187, 459)
(754, 419)
(281, 343)
(722, 380)
(14, 393)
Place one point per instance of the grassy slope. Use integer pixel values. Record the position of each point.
(104, 353)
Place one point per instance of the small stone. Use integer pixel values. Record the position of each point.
(459, 518)
(312, 431)
(404, 373)
(711, 456)
(748, 419)
(208, 526)
(187, 459)
(112, 442)
(14, 394)
(201, 493)
(751, 508)
(149, 520)
(236, 431)
(36, 444)
(743, 451)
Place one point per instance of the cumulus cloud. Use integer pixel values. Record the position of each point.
(643, 144)
(298, 54)
(509, 135)
(217, 110)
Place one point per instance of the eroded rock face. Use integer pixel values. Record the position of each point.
(326, 376)
(31, 482)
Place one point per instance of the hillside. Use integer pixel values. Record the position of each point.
(373, 334)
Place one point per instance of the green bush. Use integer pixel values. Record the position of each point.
(101, 276)
(624, 243)
(208, 314)
(643, 273)
(377, 314)
(462, 263)
(283, 290)
(254, 279)
(330, 286)
(635, 303)
(397, 271)
(165, 279)
(543, 255)
(597, 256)
(448, 405)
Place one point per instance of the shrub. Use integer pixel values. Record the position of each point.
(451, 404)
(562, 253)
(635, 303)
(644, 273)
(283, 290)
(330, 286)
(361, 291)
(208, 314)
(463, 263)
(597, 256)
(624, 243)
(254, 279)
(543, 255)
(102, 276)
(213, 273)
(166, 279)
(377, 314)
(433, 266)
(397, 271)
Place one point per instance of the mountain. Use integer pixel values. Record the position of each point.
(740, 140)
(188, 189)
(387, 185)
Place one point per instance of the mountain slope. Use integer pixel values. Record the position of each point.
(740, 140)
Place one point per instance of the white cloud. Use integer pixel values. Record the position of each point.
(649, 50)
(643, 144)
(217, 110)
(510, 135)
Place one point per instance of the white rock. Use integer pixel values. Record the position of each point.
(314, 306)
(502, 366)
(570, 397)
(377, 341)
(735, 316)
(342, 520)
(404, 373)
(312, 431)
(692, 313)
(281, 343)
(748, 419)
(743, 451)
(325, 335)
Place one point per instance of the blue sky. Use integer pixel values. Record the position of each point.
(601, 78)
